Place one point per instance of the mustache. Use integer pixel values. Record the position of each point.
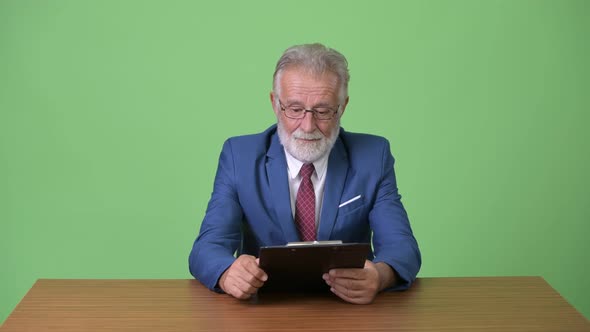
(300, 134)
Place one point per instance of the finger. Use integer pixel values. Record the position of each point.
(243, 289)
(344, 282)
(238, 294)
(358, 296)
(251, 280)
(352, 284)
(351, 296)
(349, 292)
(246, 279)
(232, 288)
(248, 269)
(355, 300)
(348, 273)
(252, 268)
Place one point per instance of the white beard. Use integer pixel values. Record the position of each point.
(307, 152)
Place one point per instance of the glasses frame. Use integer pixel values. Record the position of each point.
(313, 111)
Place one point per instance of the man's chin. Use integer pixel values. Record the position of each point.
(307, 141)
(308, 151)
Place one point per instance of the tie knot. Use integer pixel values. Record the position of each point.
(306, 171)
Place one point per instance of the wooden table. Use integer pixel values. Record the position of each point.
(432, 304)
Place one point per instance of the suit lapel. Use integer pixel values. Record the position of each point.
(276, 170)
(336, 177)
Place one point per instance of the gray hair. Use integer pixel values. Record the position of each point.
(317, 59)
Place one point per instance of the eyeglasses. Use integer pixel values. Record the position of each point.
(319, 113)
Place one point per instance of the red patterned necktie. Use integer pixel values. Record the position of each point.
(305, 205)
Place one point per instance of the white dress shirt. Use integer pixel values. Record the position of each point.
(318, 178)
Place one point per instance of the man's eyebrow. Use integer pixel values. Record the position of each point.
(291, 102)
(323, 104)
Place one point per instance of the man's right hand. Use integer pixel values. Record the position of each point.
(243, 278)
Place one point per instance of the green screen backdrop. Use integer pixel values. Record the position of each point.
(113, 114)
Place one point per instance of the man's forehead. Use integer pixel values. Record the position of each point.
(295, 90)
(300, 72)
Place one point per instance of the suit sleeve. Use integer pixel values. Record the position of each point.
(393, 240)
(220, 235)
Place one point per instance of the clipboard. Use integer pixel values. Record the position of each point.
(299, 266)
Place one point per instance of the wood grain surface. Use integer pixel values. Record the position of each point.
(432, 304)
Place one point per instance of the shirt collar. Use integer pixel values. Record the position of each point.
(294, 165)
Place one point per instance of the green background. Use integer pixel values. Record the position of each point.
(113, 114)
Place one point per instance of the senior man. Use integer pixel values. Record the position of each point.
(306, 179)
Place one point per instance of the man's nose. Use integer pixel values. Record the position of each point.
(308, 122)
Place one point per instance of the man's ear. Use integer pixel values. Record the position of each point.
(343, 106)
(272, 101)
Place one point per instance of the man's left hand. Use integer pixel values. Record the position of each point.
(360, 286)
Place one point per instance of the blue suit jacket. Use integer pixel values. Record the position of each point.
(250, 205)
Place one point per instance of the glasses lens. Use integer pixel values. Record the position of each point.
(295, 113)
(323, 113)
